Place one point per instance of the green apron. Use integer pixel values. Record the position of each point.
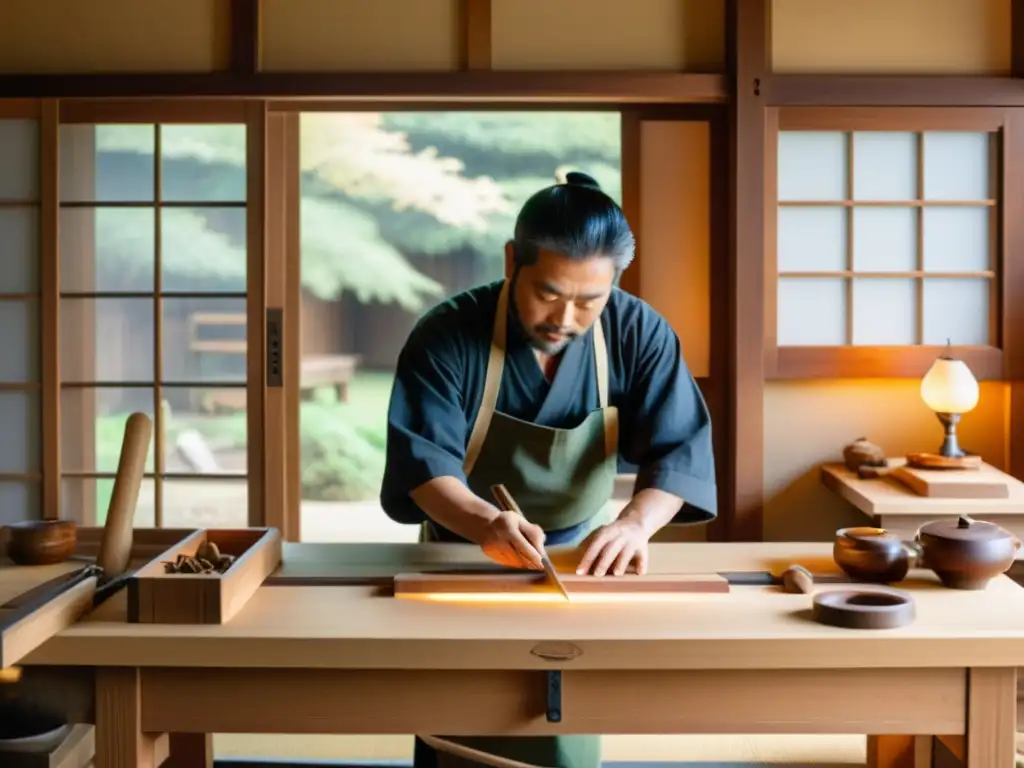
(562, 479)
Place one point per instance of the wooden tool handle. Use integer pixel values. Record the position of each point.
(505, 500)
(116, 546)
(797, 579)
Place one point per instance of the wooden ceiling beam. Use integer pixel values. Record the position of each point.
(892, 91)
(246, 29)
(475, 34)
(484, 86)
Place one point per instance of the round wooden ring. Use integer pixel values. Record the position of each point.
(864, 609)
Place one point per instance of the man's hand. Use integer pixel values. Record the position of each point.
(614, 547)
(511, 540)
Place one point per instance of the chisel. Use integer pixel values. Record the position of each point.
(507, 503)
(795, 579)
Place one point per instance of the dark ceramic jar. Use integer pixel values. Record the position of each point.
(966, 553)
(872, 555)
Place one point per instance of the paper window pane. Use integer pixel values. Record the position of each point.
(812, 165)
(956, 309)
(811, 312)
(811, 239)
(19, 344)
(956, 166)
(19, 160)
(19, 501)
(957, 239)
(19, 250)
(884, 166)
(884, 311)
(884, 239)
(20, 449)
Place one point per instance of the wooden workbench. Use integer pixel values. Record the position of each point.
(343, 659)
(892, 505)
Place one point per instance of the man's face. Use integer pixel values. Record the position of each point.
(558, 298)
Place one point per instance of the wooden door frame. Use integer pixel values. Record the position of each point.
(283, 260)
(53, 114)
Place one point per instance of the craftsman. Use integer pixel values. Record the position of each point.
(515, 382)
(540, 383)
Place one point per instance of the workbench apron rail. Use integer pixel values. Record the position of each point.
(516, 702)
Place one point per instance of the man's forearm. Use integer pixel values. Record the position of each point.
(652, 509)
(450, 504)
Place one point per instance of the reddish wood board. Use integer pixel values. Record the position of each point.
(497, 583)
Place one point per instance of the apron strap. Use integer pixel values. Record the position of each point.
(611, 416)
(492, 385)
(601, 363)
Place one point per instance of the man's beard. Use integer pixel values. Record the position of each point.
(538, 342)
(534, 335)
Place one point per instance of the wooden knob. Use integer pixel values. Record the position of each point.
(116, 546)
(796, 579)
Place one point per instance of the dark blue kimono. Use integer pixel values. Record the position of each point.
(664, 424)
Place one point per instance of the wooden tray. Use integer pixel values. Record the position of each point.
(158, 597)
(986, 482)
(426, 584)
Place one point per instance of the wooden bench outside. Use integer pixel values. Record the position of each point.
(315, 371)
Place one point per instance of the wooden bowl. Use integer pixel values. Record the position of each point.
(41, 542)
(861, 609)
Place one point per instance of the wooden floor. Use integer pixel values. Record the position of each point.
(718, 751)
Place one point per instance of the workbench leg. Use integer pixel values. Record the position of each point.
(892, 751)
(991, 717)
(191, 750)
(120, 742)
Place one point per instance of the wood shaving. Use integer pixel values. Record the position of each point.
(207, 559)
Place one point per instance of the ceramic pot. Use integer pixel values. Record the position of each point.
(966, 553)
(872, 555)
(41, 542)
(863, 453)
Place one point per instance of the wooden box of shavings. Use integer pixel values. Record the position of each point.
(196, 583)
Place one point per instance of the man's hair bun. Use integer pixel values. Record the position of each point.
(581, 180)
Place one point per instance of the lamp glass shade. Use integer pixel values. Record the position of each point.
(949, 387)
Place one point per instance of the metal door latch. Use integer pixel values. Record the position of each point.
(554, 696)
(275, 341)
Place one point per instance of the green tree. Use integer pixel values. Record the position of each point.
(375, 186)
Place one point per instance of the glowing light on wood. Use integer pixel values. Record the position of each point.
(492, 598)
